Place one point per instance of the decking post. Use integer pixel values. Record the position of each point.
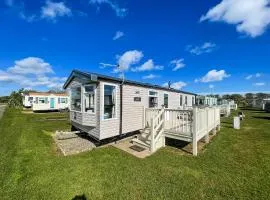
(163, 128)
(152, 148)
(194, 132)
(144, 116)
(214, 131)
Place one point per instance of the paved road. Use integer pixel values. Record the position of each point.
(2, 109)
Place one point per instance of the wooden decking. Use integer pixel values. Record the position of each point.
(185, 125)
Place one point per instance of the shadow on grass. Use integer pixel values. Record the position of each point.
(79, 197)
(266, 118)
(177, 144)
(227, 126)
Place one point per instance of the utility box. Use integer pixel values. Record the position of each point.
(236, 122)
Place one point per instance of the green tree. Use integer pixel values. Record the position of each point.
(15, 99)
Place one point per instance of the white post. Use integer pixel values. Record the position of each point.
(194, 132)
(144, 116)
(206, 137)
(152, 148)
(163, 128)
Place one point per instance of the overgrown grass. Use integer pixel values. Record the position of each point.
(235, 165)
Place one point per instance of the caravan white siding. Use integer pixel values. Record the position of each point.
(135, 99)
(133, 111)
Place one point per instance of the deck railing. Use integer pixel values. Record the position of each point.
(194, 124)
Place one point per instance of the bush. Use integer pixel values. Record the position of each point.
(267, 107)
(15, 99)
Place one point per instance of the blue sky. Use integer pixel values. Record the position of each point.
(219, 46)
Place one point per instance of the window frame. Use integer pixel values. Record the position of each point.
(103, 98)
(95, 97)
(165, 93)
(156, 96)
(78, 111)
(181, 100)
(44, 98)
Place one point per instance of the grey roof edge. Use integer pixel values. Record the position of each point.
(119, 80)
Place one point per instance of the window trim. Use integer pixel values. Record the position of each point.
(102, 100)
(164, 99)
(41, 98)
(181, 99)
(71, 99)
(157, 95)
(95, 98)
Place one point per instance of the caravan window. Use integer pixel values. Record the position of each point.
(153, 99)
(89, 98)
(109, 101)
(76, 99)
(41, 100)
(64, 100)
(166, 100)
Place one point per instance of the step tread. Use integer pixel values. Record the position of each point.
(140, 142)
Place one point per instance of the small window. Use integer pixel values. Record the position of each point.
(153, 99)
(186, 103)
(76, 99)
(63, 100)
(153, 93)
(166, 100)
(89, 98)
(41, 100)
(181, 100)
(109, 101)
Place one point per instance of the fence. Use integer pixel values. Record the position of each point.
(195, 124)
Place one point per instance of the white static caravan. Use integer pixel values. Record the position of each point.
(106, 107)
(206, 101)
(27, 100)
(48, 101)
(264, 102)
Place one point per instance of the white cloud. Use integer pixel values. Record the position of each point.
(176, 85)
(177, 64)
(211, 86)
(151, 76)
(213, 76)
(147, 66)
(52, 10)
(259, 84)
(120, 12)
(251, 17)
(23, 74)
(128, 59)
(28, 18)
(118, 35)
(257, 75)
(207, 47)
(31, 65)
(249, 77)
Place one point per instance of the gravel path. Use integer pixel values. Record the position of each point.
(2, 109)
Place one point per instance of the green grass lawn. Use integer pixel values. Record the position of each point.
(235, 165)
